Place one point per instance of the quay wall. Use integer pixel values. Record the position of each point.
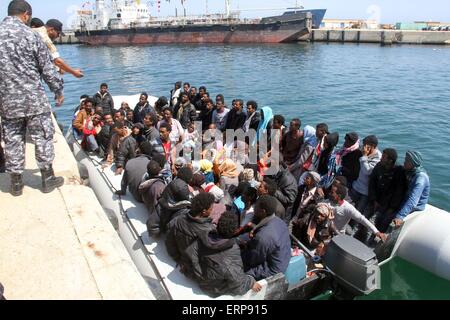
(350, 35)
(379, 36)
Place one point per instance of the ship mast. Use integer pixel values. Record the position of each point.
(228, 8)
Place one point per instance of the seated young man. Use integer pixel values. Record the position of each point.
(418, 191)
(122, 147)
(135, 169)
(104, 136)
(175, 198)
(344, 212)
(150, 190)
(269, 250)
(221, 263)
(86, 111)
(92, 128)
(185, 230)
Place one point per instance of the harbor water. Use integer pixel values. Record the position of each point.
(399, 93)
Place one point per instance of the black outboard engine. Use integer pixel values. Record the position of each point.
(354, 266)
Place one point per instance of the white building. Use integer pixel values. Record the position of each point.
(349, 24)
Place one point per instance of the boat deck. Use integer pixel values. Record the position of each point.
(178, 286)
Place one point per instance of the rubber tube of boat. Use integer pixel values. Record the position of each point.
(425, 241)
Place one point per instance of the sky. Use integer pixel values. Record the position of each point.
(385, 11)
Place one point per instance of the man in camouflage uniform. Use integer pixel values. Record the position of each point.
(24, 106)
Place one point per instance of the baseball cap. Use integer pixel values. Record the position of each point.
(55, 24)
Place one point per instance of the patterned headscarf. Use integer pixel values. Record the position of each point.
(321, 208)
(415, 158)
(309, 136)
(228, 169)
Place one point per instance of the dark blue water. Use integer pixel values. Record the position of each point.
(399, 93)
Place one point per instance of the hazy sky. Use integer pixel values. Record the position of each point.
(386, 11)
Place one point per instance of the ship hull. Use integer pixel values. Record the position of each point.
(273, 32)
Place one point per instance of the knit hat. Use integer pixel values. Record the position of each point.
(415, 158)
(352, 137)
(371, 140)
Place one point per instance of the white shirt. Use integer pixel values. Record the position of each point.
(220, 119)
(177, 130)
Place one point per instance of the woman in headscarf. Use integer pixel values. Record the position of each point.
(344, 161)
(347, 159)
(305, 153)
(418, 187)
(313, 162)
(206, 168)
(329, 144)
(265, 124)
(307, 194)
(316, 229)
(228, 176)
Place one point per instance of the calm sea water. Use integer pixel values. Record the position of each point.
(399, 93)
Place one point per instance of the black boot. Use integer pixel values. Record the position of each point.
(16, 184)
(49, 181)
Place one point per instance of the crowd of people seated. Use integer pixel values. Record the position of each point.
(228, 217)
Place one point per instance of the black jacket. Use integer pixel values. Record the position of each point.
(287, 190)
(106, 102)
(388, 188)
(182, 242)
(254, 123)
(132, 177)
(350, 166)
(206, 118)
(104, 138)
(222, 268)
(235, 120)
(188, 115)
(175, 197)
(127, 151)
(151, 191)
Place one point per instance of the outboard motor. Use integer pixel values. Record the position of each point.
(354, 266)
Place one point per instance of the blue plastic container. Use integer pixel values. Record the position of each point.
(296, 270)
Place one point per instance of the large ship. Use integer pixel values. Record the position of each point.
(130, 22)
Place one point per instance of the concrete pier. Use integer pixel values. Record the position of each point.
(379, 36)
(350, 35)
(67, 39)
(61, 245)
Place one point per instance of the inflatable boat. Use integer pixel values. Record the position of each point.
(348, 269)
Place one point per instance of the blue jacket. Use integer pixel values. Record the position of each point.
(269, 252)
(417, 195)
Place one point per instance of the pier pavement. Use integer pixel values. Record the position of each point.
(61, 245)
